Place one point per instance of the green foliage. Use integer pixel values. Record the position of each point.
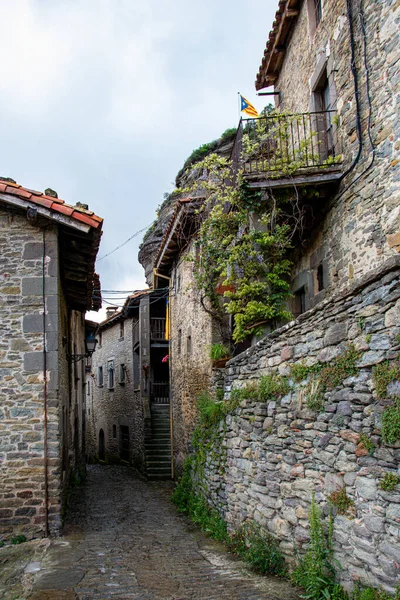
(367, 443)
(389, 481)
(244, 248)
(196, 507)
(341, 501)
(368, 338)
(391, 422)
(300, 371)
(315, 571)
(258, 549)
(266, 388)
(383, 374)
(1, 543)
(18, 539)
(327, 377)
(210, 411)
(219, 351)
(373, 594)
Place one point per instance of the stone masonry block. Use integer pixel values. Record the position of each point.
(34, 323)
(33, 361)
(335, 334)
(33, 286)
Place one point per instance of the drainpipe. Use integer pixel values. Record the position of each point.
(45, 439)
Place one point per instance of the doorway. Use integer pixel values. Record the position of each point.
(102, 445)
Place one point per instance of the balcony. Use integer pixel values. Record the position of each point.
(157, 329)
(160, 393)
(282, 149)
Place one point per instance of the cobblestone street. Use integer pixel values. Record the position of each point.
(124, 539)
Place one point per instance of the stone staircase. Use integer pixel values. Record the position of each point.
(158, 446)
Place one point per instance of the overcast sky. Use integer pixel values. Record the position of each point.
(103, 100)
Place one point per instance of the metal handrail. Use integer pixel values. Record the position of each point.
(282, 144)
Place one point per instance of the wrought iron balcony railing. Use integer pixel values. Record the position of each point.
(282, 145)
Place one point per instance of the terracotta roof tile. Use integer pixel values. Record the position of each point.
(54, 204)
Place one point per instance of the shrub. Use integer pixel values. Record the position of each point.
(258, 549)
(341, 501)
(266, 388)
(389, 481)
(210, 410)
(391, 423)
(18, 539)
(315, 571)
(383, 374)
(219, 351)
(367, 443)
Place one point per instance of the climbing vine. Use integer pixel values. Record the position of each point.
(242, 248)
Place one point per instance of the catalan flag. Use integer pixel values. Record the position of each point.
(247, 107)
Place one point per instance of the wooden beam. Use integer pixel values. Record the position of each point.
(317, 179)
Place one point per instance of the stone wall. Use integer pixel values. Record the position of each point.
(22, 464)
(108, 408)
(361, 227)
(272, 455)
(190, 363)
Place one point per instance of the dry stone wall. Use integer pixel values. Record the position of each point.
(271, 456)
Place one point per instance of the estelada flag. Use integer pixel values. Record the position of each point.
(247, 107)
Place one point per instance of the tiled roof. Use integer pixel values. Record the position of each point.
(279, 36)
(54, 204)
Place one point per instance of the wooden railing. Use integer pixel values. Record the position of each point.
(157, 328)
(160, 393)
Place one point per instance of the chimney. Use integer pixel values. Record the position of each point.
(110, 310)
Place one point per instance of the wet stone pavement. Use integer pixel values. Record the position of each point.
(125, 539)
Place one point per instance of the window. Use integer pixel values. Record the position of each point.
(110, 371)
(299, 301)
(136, 370)
(121, 330)
(324, 103)
(179, 341)
(100, 376)
(114, 431)
(100, 340)
(88, 387)
(314, 8)
(189, 345)
(317, 11)
(122, 371)
(320, 278)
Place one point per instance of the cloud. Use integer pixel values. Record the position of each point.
(103, 100)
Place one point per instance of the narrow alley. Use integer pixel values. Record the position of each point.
(124, 539)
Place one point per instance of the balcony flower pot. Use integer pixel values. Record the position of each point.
(220, 362)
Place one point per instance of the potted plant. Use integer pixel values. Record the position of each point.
(220, 355)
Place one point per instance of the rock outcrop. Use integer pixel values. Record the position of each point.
(154, 235)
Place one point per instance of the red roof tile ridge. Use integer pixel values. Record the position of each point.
(55, 204)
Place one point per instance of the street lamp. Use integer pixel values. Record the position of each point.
(90, 347)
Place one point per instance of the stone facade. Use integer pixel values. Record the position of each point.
(133, 343)
(360, 229)
(113, 405)
(192, 334)
(271, 456)
(42, 408)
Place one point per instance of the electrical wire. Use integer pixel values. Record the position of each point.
(123, 243)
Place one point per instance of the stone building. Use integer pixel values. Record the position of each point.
(334, 68)
(128, 406)
(47, 282)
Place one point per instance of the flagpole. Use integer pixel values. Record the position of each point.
(239, 106)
